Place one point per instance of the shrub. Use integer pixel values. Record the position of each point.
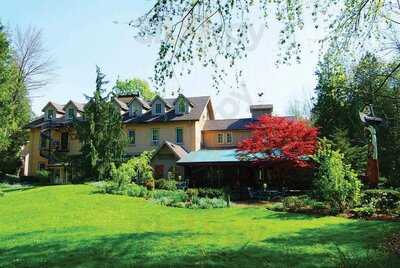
(192, 193)
(135, 190)
(1, 193)
(149, 184)
(363, 212)
(382, 200)
(211, 192)
(123, 175)
(303, 203)
(175, 196)
(166, 184)
(335, 182)
(43, 176)
(206, 203)
(8, 178)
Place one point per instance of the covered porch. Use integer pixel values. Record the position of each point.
(223, 168)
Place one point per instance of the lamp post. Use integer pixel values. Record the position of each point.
(371, 122)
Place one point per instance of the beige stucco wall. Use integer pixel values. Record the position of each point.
(210, 138)
(34, 147)
(143, 134)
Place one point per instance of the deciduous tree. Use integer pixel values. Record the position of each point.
(135, 85)
(14, 108)
(276, 138)
(217, 34)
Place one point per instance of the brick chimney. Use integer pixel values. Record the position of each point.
(260, 109)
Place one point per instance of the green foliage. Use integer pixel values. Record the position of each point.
(142, 167)
(14, 108)
(207, 203)
(132, 86)
(342, 94)
(1, 193)
(166, 184)
(192, 193)
(303, 204)
(355, 156)
(101, 134)
(220, 33)
(335, 182)
(364, 211)
(168, 198)
(211, 193)
(136, 170)
(43, 176)
(383, 200)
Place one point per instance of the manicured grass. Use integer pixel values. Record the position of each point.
(67, 226)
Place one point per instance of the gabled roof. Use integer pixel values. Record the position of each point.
(228, 124)
(175, 148)
(141, 101)
(183, 96)
(158, 97)
(121, 104)
(59, 108)
(199, 104)
(79, 106)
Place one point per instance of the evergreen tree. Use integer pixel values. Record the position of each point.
(101, 133)
(14, 108)
(342, 92)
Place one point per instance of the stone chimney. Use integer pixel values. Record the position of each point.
(260, 109)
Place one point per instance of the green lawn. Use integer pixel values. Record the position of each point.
(70, 226)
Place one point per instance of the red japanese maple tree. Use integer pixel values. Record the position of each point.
(279, 138)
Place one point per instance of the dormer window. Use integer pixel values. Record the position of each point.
(71, 113)
(158, 108)
(50, 114)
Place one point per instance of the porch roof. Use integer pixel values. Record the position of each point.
(210, 156)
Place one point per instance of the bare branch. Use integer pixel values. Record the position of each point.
(36, 67)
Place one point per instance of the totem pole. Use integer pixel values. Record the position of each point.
(370, 121)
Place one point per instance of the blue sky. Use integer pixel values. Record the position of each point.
(81, 35)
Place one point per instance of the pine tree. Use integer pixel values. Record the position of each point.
(101, 133)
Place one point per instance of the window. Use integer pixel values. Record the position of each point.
(64, 141)
(229, 138)
(155, 135)
(220, 138)
(158, 108)
(131, 137)
(71, 113)
(179, 135)
(134, 111)
(42, 166)
(181, 106)
(43, 141)
(50, 114)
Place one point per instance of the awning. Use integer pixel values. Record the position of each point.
(210, 156)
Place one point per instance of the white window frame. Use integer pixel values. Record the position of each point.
(229, 141)
(220, 134)
(153, 131)
(176, 135)
(134, 137)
